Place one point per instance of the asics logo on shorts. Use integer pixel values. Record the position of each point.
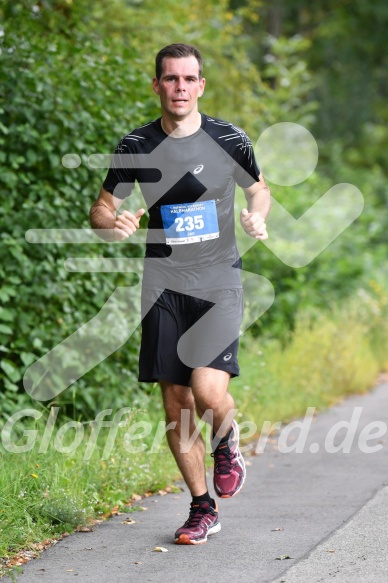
(227, 356)
(198, 169)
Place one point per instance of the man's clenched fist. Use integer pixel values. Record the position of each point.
(254, 224)
(126, 224)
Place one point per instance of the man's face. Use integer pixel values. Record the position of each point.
(179, 87)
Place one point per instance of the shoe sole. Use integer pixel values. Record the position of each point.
(185, 540)
(237, 431)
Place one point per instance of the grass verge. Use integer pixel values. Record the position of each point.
(44, 495)
(323, 360)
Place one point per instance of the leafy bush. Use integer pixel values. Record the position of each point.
(63, 93)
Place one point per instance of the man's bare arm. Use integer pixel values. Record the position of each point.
(252, 219)
(103, 216)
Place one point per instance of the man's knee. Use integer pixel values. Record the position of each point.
(212, 401)
(177, 398)
(210, 387)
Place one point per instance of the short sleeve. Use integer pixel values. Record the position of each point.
(246, 171)
(121, 176)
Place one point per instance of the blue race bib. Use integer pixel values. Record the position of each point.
(190, 222)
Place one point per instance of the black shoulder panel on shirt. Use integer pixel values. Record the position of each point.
(142, 140)
(238, 145)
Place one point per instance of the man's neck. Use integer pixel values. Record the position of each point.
(181, 128)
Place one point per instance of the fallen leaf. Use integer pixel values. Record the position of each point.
(138, 563)
(160, 550)
(129, 521)
(283, 557)
(330, 551)
(276, 529)
(69, 570)
(85, 529)
(136, 497)
(143, 508)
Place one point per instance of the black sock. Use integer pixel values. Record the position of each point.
(225, 439)
(216, 441)
(204, 498)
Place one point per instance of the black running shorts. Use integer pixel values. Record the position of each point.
(181, 332)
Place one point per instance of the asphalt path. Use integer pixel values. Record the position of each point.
(326, 510)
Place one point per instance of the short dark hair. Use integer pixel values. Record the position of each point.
(177, 51)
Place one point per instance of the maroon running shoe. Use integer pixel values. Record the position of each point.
(203, 520)
(229, 466)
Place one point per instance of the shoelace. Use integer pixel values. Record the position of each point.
(196, 515)
(223, 461)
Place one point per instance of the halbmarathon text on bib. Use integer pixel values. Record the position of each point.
(190, 222)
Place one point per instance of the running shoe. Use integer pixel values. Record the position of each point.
(202, 521)
(229, 466)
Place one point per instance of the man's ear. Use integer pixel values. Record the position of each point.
(202, 84)
(155, 85)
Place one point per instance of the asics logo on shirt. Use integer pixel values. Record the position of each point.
(198, 169)
(227, 356)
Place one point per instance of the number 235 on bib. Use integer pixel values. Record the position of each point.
(190, 222)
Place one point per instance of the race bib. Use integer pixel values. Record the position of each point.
(190, 222)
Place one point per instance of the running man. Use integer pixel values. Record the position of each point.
(187, 165)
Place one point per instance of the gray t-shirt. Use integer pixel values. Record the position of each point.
(188, 185)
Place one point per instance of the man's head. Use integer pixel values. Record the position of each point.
(178, 81)
(177, 51)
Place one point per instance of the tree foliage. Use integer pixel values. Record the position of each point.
(76, 77)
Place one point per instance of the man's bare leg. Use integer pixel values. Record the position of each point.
(210, 390)
(191, 462)
(209, 396)
(213, 401)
